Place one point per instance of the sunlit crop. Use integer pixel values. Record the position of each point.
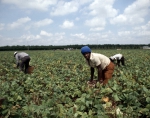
(58, 88)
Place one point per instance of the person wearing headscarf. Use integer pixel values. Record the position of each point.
(119, 58)
(22, 60)
(102, 63)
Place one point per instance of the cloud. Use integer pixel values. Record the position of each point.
(50, 39)
(67, 24)
(103, 9)
(8, 41)
(138, 31)
(88, 21)
(32, 4)
(82, 2)
(2, 26)
(92, 38)
(81, 35)
(143, 27)
(146, 27)
(143, 30)
(124, 33)
(133, 14)
(97, 29)
(77, 18)
(96, 21)
(44, 33)
(30, 37)
(119, 19)
(18, 23)
(134, 34)
(43, 22)
(63, 8)
(100, 10)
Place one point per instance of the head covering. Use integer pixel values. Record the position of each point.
(15, 53)
(85, 49)
(112, 58)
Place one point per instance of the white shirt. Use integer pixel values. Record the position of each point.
(98, 59)
(116, 57)
(20, 55)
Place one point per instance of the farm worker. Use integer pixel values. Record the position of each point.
(119, 58)
(22, 60)
(103, 64)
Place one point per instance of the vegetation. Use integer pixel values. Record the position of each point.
(58, 87)
(51, 47)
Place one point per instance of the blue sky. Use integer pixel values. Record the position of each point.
(68, 22)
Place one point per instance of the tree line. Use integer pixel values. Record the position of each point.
(66, 47)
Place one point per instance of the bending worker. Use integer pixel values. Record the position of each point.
(22, 60)
(103, 64)
(119, 58)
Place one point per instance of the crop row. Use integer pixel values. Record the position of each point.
(58, 87)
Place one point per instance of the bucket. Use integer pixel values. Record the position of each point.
(30, 69)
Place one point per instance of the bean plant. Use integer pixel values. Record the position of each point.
(57, 87)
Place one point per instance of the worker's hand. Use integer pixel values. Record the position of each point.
(91, 82)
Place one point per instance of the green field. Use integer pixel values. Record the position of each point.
(58, 87)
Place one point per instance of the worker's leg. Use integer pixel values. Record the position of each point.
(118, 62)
(27, 60)
(108, 71)
(123, 61)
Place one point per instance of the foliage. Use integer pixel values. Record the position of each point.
(58, 87)
(66, 47)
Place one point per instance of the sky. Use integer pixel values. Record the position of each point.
(69, 22)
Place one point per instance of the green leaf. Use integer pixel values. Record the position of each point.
(82, 107)
(144, 110)
(90, 112)
(116, 98)
(88, 103)
(108, 104)
(19, 97)
(148, 99)
(145, 89)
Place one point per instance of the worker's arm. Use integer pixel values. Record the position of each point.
(92, 74)
(99, 70)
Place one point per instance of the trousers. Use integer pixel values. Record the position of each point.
(24, 63)
(108, 72)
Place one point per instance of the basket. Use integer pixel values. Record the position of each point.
(30, 69)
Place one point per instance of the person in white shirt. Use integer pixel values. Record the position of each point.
(105, 67)
(22, 60)
(119, 58)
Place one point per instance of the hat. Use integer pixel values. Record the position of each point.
(85, 49)
(112, 58)
(15, 53)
